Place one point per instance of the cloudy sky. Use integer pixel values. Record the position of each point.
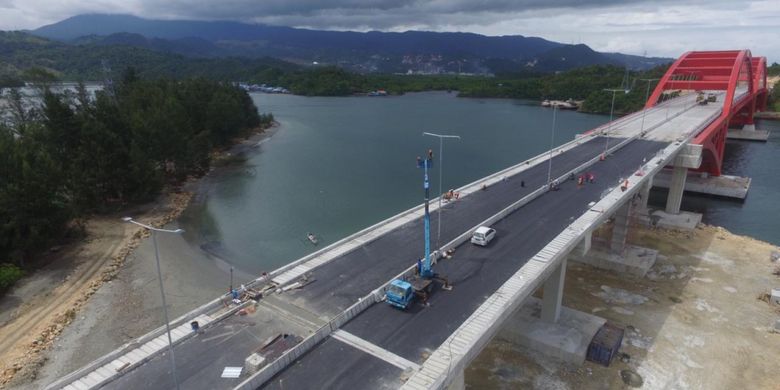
(656, 27)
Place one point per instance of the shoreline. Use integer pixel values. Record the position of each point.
(45, 338)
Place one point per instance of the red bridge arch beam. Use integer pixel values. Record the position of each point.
(760, 83)
(738, 74)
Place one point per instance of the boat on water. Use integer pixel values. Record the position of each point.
(569, 104)
(312, 238)
(378, 92)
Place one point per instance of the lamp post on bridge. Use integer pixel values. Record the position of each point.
(154, 231)
(441, 138)
(611, 113)
(552, 144)
(647, 96)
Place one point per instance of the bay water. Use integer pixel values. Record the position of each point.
(337, 165)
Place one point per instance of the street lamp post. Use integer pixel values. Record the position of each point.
(441, 138)
(154, 231)
(647, 96)
(552, 144)
(611, 112)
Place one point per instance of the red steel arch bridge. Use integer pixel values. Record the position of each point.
(736, 72)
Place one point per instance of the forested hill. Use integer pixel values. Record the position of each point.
(369, 52)
(84, 61)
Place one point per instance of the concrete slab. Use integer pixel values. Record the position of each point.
(635, 260)
(748, 135)
(725, 185)
(686, 220)
(775, 296)
(567, 340)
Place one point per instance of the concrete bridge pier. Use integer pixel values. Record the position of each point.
(546, 326)
(689, 158)
(617, 254)
(645, 193)
(553, 294)
(676, 189)
(458, 381)
(620, 229)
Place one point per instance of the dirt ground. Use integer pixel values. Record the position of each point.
(695, 321)
(42, 305)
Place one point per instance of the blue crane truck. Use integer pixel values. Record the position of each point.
(402, 292)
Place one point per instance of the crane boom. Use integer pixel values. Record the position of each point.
(426, 269)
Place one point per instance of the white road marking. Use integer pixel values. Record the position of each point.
(374, 350)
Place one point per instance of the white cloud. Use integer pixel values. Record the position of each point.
(660, 28)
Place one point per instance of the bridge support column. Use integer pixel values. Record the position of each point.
(676, 188)
(459, 381)
(583, 247)
(620, 228)
(645, 193)
(552, 296)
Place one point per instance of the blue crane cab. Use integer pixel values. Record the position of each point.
(399, 294)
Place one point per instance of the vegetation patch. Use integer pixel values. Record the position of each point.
(73, 155)
(9, 274)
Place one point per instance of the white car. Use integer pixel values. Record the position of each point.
(483, 235)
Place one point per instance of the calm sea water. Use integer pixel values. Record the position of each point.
(337, 165)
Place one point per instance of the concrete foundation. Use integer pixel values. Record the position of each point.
(566, 340)
(634, 260)
(724, 185)
(748, 135)
(683, 221)
(775, 296)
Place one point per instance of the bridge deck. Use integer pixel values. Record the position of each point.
(476, 273)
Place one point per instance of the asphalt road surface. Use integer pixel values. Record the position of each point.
(475, 272)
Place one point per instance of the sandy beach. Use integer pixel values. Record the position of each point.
(100, 292)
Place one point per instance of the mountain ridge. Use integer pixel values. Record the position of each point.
(364, 52)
